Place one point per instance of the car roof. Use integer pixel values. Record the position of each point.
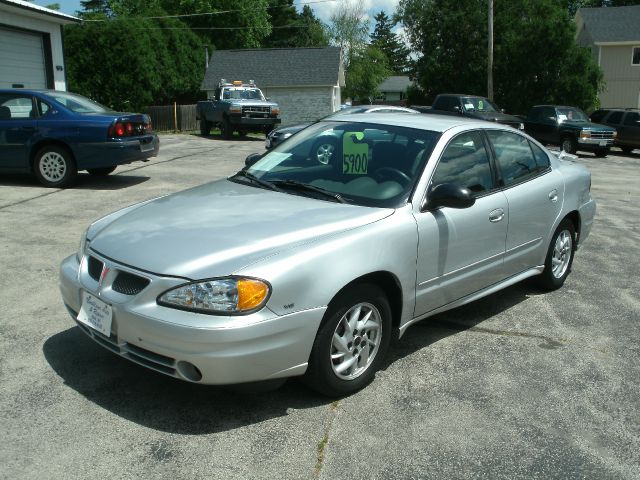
(437, 123)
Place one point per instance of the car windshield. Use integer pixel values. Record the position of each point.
(242, 94)
(360, 163)
(78, 103)
(478, 104)
(570, 114)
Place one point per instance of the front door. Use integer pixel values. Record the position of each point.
(460, 251)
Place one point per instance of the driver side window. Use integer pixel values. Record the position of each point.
(465, 162)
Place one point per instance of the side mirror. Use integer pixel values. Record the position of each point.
(268, 99)
(502, 110)
(448, 195)
(251, 159)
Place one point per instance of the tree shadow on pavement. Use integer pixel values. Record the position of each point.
(160, 402)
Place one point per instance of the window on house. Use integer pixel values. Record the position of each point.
(635, 60)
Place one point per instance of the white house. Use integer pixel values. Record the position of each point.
(306, 82)
(31, 54)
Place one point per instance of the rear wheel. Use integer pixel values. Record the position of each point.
(627, 150)
(557, 265)
(351, 343)
(569, 145)
(242, 133)
(54, 166)
(101, 172)
(205, 127)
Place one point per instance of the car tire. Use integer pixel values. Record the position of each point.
(569, 145)
(225, 128)
(205, 127)
(323, 150)
(339, 364)
(557, 265)
(603, 152)
(55, 167)
(626, 150)
(242, 133)
(101, 172)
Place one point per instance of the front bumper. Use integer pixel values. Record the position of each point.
(251, 121)
(595, 143)
(223, 349)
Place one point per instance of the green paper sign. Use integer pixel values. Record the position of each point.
(355, 154)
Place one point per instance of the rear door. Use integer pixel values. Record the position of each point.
(534, 194)
(18, 127)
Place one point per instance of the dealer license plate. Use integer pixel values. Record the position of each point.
(95, 314)
(146, 147)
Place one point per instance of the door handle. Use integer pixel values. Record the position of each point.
(496, 215)
(553, 195)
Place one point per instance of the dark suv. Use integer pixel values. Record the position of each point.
(627, 123)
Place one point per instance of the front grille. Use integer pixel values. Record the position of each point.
(129, 284)
(95, 268)
(601, 135)
(256, 110)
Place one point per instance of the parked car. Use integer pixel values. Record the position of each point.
(626, 121)
(297, 266)
(53, 134)
(569, 128)
(282, 133)
(471, 106)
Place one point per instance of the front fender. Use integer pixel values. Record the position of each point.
(310, 275)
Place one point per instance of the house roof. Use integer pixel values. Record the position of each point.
(611, 24)
(38, 10)
(276, 67)
(395, 83)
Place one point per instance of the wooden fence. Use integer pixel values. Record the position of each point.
(173, 118)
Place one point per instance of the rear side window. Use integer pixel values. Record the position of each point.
(632, 119)
(465, 162)
(542, 159)
(615, 117)
(514, 155)
(16, 107)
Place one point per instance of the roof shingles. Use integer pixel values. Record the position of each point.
(612, 24)
(275, 67)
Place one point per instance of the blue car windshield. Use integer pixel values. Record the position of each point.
(363, 163)
(78, 103)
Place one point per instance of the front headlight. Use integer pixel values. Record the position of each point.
(235, 109)
(230, 295)
(585, 134)
(275, 110)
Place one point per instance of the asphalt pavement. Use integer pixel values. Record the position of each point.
(521, 384)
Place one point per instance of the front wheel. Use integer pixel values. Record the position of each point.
(557, 265)
(54, 167)
(602, 152)
(569, 145)
(351, 343)
(225, 128)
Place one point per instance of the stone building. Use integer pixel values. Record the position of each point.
(306, 82)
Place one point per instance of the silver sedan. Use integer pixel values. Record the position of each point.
(299, 265)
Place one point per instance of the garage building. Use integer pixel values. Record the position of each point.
(31, 53)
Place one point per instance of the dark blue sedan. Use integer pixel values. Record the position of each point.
(53, 134)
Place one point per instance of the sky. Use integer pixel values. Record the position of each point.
(322, 9)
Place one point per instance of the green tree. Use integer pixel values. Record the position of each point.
(283, 17)
(367, 70)
(226, 24)
(349, 30)
(129, 63)
(313, 33)
(536, 59)
(390, 44)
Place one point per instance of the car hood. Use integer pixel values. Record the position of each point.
(495, 117)
(220, 227)
(293, 128)
(586, 126)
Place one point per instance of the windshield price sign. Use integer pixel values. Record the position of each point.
(355, 154)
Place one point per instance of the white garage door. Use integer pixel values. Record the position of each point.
(21, 59)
